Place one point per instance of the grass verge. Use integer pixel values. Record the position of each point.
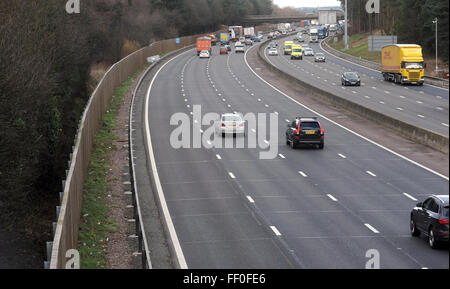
(95, 223)
(358, 46)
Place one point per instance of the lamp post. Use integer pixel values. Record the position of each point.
(435, 21)
(346, 27)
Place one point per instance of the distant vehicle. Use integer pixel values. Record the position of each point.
(239, 47)
(273, 51)
(204, 54)
(350, 78)
(223, 50)
(248, 42)
(431, 218)
(322, 32)
(235, 32)
(320, 57)
(203, 43)
(305, 130)
(224, 38)
(242, 39)
(288, 47)
(308, 51)
(283, 32)
(333, 27)
(273, 43)
(297, 52)
(403, 64)
(270, 35)
(249, 32)
(228, 47)
(230, 123)
(213, 39)
(257, 39)
(300, 38)
(314, 35)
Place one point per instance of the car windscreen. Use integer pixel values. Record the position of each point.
(320, 54)
(309, 126)
(297, 50)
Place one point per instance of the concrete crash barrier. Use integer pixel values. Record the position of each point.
(68, 212)
(414, 133)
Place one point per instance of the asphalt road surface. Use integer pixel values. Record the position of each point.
(306, 208)
(426, 106)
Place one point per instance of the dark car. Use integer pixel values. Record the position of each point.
(351, 78)
(306, 131)
(431, 219)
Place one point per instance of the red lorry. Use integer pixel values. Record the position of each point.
(203, 43)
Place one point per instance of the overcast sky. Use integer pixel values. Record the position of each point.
(306, 3)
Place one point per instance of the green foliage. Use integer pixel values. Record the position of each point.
(410, 20)
(95, 222)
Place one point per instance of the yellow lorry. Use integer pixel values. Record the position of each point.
(297, 52)
(403, 63)
(288, 47)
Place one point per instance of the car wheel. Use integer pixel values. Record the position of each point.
(431, 239)
(413, 229)
(321, 146)
(287, 141)
(293, 146)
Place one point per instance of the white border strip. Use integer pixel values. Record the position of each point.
(341, 126)
(141, 222)
(165, 210)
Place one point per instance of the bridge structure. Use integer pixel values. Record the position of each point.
(274, 19)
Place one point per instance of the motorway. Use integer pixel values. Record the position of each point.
(306, 208)
(426, 106)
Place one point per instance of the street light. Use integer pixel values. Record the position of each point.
(435, 21)
(346, 27)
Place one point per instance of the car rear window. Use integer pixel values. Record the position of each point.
(231, 118)
(445, 212)
(309, 125)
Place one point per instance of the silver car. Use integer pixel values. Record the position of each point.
(320, 57)
(231, 123)
(273, 51)
(308, 51)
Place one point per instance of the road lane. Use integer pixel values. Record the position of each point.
(209, 213)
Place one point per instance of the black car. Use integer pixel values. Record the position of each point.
(431, 219)
(305, 131)
(351, 78)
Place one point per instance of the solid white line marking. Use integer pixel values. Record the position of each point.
(445, 124)
(250, 199)
(411, 197)
(372, 228)
(275, 230)
(332, 197)
(303, 174)
(232, 175)
(343, 127)
(165, 210)
(370, 173)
